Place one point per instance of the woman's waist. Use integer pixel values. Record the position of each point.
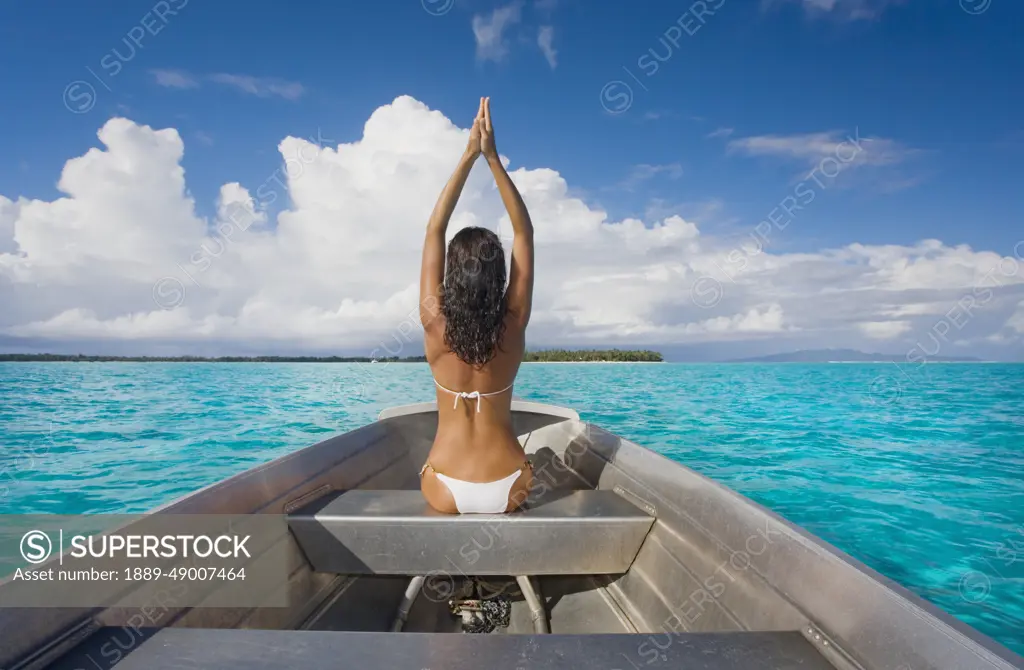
(496, 444)
(475, 436)
(491, 423)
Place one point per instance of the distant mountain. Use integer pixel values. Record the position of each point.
(844, 356)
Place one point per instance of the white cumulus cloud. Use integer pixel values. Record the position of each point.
(884, 330)
(122, 256)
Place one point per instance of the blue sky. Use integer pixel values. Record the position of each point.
(927, 75)
(747, 97)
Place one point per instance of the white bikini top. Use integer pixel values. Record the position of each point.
(472, 394)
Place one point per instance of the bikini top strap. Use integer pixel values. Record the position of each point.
(501, 391)
(471, 394)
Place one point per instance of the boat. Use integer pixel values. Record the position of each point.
(620, 559)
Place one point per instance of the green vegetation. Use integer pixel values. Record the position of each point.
(592, 356)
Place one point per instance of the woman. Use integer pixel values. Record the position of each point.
(474, 335)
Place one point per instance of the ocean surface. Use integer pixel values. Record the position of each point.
(916, 471)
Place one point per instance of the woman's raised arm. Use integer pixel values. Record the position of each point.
(432, 268)
(520, 280)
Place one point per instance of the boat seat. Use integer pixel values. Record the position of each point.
(206, 649)
(369, 532)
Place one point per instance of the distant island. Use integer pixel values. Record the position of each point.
(846, 356)
(592, 356)
(546, 356)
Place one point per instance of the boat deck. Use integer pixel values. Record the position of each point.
(385, 545)
(197, 649)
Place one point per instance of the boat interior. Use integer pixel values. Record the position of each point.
(621, 558)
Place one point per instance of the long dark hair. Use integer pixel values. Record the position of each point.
(473, 298)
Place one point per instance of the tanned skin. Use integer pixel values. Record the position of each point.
(471, 446)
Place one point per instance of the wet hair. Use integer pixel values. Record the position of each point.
(473, 297)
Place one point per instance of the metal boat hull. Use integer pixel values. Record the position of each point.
(712, 562)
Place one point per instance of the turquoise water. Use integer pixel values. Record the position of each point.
(919, 473)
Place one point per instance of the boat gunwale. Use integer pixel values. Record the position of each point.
(941, 621)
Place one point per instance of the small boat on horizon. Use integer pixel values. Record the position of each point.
(621, 559)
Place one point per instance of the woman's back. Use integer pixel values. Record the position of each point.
(475, 440)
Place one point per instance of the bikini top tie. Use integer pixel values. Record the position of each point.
(470, 395)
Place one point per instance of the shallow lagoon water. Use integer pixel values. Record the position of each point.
(918, 472)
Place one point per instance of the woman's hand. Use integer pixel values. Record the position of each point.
(490, 152)
(475, 132)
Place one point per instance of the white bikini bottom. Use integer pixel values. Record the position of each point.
(478, 497)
